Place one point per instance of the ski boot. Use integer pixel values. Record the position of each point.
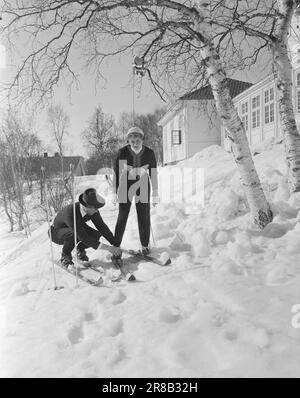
(66, 262)
(81, 255)
(145, 251)
(117, 261)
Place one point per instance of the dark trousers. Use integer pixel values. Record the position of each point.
(65, 237)
(143, 216)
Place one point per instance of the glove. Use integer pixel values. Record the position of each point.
(116, 251)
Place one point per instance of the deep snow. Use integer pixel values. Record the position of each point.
(223, 308)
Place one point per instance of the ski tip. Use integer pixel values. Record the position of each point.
(131, 278)
(168, 262)
(99, 282)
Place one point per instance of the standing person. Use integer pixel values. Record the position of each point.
(62, 230)
(134, 168)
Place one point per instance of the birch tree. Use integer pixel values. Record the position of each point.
(171, 36)
(284, 84)
(268, 21)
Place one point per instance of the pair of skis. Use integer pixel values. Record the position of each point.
(124, 274)
(98, 281)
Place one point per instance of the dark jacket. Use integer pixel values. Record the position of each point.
(145, 158)
(64, 219)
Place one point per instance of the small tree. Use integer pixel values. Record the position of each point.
(101, 140)
(6, 185)
(18, 144)
(59, 123)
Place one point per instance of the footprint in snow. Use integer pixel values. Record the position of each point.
(88, 317)
(230, 335)
(115, 355)
(118, 298)
(169, 315)
(101, 299)
(75, 334)
(113, 327)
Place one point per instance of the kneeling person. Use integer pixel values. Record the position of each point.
(62, 230)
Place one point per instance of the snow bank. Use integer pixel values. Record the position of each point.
(212, 153)
(223, 203)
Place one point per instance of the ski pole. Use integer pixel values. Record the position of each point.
(49, 229)
(133, 96)
(152, 234)
(74, 220)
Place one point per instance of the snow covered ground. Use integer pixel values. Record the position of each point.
(223, 308)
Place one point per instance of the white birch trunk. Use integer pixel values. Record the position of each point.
(259, 207)
(284, 84)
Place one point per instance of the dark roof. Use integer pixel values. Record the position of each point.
(52, 164)
(235, 88)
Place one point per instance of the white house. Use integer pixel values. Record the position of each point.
(191, 124)
(258, 106)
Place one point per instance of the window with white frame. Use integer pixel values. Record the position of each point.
(255, 111)
(298, 92)
(269, 105)
(244, 115)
